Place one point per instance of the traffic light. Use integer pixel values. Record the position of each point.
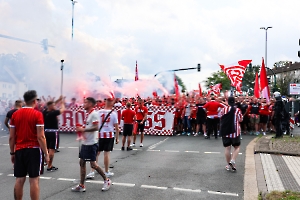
(199, 67)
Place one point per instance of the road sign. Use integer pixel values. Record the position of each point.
(294, 89)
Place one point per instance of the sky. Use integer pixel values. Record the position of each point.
(110, 36)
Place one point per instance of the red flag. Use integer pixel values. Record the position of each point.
(264, 82)
(176, 87)
(235, 72)
(136, 78)
(200, 90)
(217, 88)
(256, 86)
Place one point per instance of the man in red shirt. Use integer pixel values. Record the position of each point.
(141, 116)
(27, 144)
(128, 117)
(212, 109)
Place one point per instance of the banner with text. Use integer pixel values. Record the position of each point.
(160, 119)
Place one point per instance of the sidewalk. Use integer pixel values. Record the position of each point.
(273, 170)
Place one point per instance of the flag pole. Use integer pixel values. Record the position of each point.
(62, 77)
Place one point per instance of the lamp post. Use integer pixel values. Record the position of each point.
(73, 3)
(266, 29)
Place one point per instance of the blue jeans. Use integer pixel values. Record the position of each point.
(187, 124)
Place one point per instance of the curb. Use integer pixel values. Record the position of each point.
(276, 152)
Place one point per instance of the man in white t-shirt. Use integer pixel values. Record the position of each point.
(106, 134)
(89, 145)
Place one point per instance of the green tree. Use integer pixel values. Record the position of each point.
(218, 77)
(284, 79)
(180, 82)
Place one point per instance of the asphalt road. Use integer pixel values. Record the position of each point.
(179, 167)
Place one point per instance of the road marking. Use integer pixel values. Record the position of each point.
(3, 136)
(62, 147)
(239, 153)
(153, 187)
(155, 145)
(186, 190)
(192, 151)
(173, 151)
(124, 184)
(153, 150)
(211, 152)
(223, 193)
(10, 175)
(1, 174)
(137, 149)
(66, 179)
(5, 144)
(92, 181)
(73, 147)
(46, 178)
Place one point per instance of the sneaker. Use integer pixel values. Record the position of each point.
(109, 174)
(133, 145)
(196, 134)
(141, 145)
(227, 167)
(52, 169)
(123, 148)
(188, 134)
(129, 148)
(106, 185)
(204, 134)
(257, 133)
(90, 175)
(232, 165)
(183, 133)
(264, 133)
(78, 188)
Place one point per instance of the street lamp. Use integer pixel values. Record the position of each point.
(73, 3)
(266, 29)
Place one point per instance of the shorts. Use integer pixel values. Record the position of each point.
(127, 129)
(141, 127)
(201, 120)
(193, 120)
(52, 140)
(231, 141)
(178, 120)
(29, 161)
(254, 119)
(264, 119)
(106, 144)
(88, 152)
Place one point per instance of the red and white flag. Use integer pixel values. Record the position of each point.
(176, 87)
(136, 78)
(256, 86)
(235, 72)
(200, 90)
(216, 89)
(265, 92)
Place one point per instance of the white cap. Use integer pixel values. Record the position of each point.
(277, 94)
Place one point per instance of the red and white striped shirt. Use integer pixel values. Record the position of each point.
(108, 128)
(238, 117)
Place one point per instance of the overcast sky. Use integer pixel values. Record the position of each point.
(110, 35)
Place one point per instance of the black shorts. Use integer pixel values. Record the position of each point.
(201, 120)
(140, 126)
(263, 119)
(88, 152)
(231, 141)
(106, 144)
(51, 139)
(127, 129)
(193, 120)
(29, 161)
(178, 120)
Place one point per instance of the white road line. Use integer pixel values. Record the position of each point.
(186, 190)
(211, 152)
(173, 151)
(98, 182)
(124, 184)
(46, 178)
(153, 187)
(223, 193)
(66, 179)
(239, 153)
(10, 174)
(153, 150)
(3, 136)
(5, 144)
(192, 151)
(62, 147)
(137, 149)
(156, 144)
(1, 174)
(73, 147)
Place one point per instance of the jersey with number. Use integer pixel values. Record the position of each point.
(107, 130)
(140, 112)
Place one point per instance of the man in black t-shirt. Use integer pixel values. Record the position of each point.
(18, 105)
(51, 129)
(201, 117)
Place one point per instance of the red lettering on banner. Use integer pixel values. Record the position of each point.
(148, 123)
(158, 118)
(77, 115)
(67, 116)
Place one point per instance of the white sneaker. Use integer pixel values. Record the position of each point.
(90, 175)
(133, 145)
(106, 185)
(264, 133)
(109, 174)
(204, 134)
(141, 145)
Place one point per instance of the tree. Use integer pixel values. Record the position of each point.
(284, 79)
(180, 82)
(218, 77)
